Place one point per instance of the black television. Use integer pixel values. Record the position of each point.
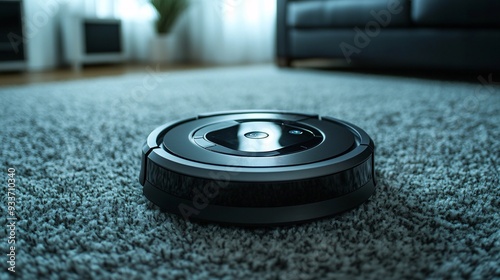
(102, 36)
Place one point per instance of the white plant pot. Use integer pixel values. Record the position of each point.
(165, 49)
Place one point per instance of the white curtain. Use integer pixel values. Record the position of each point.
(210, 31)
(231, 31)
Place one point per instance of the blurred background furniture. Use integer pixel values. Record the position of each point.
(52, 34)
(12, 50)
(438, 34)
(92, 40)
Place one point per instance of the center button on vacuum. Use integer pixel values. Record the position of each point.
(256, 135)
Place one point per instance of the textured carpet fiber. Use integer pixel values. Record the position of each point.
(81, 213)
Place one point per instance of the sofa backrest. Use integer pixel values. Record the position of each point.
(347, 13)
(456, 13)
(425, 13)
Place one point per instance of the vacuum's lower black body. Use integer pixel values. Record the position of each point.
(257, 167)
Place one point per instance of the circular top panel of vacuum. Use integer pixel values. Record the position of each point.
(297, 166)
(263, 140)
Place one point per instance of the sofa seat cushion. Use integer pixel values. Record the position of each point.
(348, 13)
(456, 13)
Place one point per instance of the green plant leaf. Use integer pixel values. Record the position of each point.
(168, 13)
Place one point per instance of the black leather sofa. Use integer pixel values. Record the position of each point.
(437, 34)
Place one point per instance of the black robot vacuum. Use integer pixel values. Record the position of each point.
(257, 167)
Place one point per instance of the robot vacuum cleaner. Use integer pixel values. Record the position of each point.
(257, 167)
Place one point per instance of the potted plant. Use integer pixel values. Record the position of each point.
(164, 44)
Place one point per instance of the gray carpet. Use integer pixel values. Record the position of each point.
(76, 150)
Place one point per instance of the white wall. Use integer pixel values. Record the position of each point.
(41, 21)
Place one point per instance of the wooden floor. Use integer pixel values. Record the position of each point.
(90, 71)
(65, 74)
